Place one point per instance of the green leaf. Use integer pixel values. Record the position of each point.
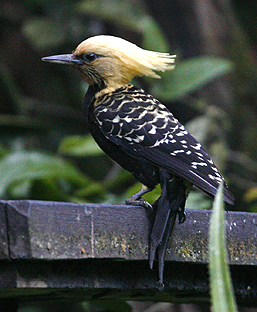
(3, 150)
(121, 13)
(153, 36)
(189, 76)
(21, 189)
(78, 145)
(222, 296)
(198, 200)
(149, 197)
(131, 16)
(25, 166)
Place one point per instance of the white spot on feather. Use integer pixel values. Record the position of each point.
(116, 119)
(194, 164)
(140, 137)
(177, 152)
(215, 169)
(153, 130)
(128, 119)
(197, 146)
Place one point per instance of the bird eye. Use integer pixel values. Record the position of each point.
(89, 57)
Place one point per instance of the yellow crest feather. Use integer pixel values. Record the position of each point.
(134, 59)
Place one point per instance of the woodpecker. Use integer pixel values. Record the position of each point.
(140, 133)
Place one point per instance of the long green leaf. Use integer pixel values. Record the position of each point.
(25, 166)
(189, 76)
(129, 15)
(222, 296)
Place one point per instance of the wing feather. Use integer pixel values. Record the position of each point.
(144, 128)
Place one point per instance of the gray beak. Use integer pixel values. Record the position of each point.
(66, 59)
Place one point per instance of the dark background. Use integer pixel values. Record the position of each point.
(45, 151)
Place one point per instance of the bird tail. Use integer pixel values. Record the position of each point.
(171, 202)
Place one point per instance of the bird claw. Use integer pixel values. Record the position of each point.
(161, 284)
(138, 202)
(181, 217)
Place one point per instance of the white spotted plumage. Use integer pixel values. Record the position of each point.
(137, 122)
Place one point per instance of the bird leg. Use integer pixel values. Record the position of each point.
(137, 200)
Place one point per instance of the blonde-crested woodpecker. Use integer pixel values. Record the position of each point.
(139, 132)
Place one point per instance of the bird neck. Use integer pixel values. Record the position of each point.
(109, 89)
(89, 99)
(104, 83)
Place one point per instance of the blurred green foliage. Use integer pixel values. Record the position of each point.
(190, 75)
(45, 149)
(41, 157)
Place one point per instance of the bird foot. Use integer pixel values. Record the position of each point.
(181, 216)
(138, 202)
(161, 284)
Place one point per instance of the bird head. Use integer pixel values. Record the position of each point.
(109, 62)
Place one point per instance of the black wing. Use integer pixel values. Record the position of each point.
(144, 128)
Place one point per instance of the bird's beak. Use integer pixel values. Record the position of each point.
(66, 59)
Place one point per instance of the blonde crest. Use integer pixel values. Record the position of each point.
(134, 59)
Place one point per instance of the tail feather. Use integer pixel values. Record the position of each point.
(161, 219)
(170, 203)
(162, 247)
